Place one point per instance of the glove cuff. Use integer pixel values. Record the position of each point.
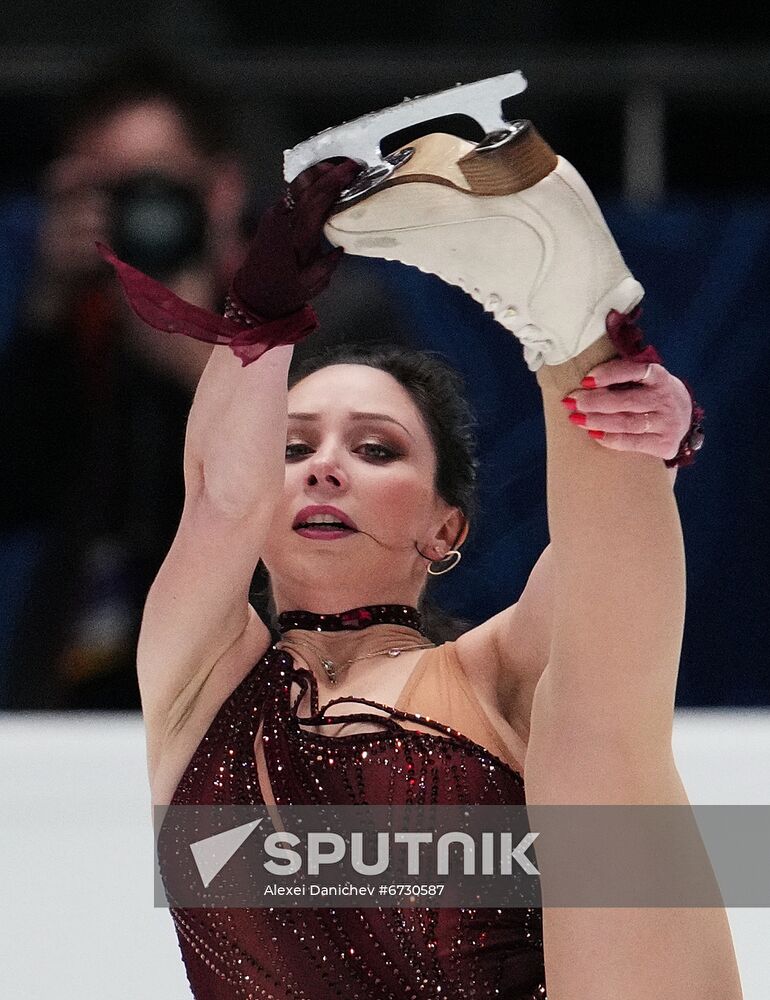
(235, 310)
(162, 309)
(257, 337)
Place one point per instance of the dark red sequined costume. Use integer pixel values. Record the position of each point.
(377, 953)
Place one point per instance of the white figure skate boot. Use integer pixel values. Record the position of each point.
(515, 226)
(507, 220)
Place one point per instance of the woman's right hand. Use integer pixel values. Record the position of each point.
(286, 266)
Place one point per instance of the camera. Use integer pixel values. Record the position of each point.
(157, 224)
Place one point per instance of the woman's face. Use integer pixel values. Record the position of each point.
(379, 473)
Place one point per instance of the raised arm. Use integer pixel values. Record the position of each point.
(197, 610)
(197, 607)
(236, 432)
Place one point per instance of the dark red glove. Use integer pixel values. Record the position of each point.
(285, 267)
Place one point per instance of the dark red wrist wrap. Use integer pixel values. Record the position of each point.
(246, 335)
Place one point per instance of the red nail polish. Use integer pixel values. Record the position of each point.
(570, 403)
(578, 418)
(596, 434)
(589, 382)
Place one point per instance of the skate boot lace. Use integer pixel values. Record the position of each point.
(509, 316)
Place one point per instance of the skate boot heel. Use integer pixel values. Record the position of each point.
(508, 160)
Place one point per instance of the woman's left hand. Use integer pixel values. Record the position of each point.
(651, 416)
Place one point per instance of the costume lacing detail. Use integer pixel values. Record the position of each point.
(306, 680)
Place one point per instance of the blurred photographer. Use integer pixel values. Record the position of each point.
(145, 162)
(146, 165)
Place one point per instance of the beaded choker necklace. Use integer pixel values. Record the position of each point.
(355, 618)
(328, 638)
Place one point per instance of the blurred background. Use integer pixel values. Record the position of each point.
(169, 149)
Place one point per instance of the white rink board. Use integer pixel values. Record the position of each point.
(77, 918)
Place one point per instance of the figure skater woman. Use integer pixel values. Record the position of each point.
(351, 476)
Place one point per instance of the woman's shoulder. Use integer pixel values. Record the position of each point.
(458, 686)
(502, 679)
(477, 653)
(230, 676)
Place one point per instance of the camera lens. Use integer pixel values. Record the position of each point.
(157, 224)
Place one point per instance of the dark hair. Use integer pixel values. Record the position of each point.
(438, 392)
(145, 75)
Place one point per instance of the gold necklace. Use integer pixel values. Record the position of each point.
(333, 670)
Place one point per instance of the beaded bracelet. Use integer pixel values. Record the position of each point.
(693, 439)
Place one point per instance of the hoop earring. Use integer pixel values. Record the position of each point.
(452, 552)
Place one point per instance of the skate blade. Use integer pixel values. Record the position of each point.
(500, 165)
(360, 139)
